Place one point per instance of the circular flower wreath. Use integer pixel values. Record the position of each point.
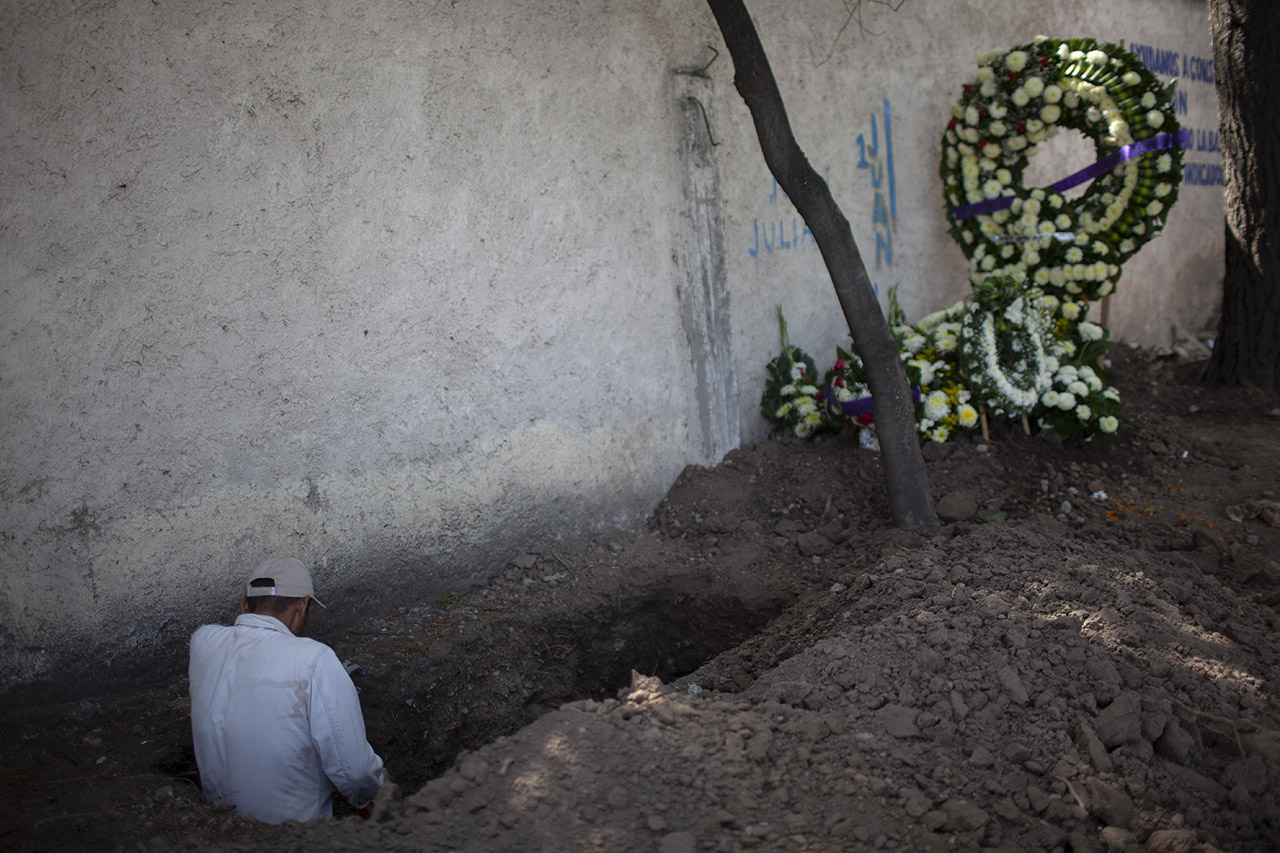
(1021, 98)
(1002, 348)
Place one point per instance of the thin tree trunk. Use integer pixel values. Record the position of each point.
(910, 500)
(1246, 53)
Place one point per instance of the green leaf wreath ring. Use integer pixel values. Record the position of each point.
(1022, 97)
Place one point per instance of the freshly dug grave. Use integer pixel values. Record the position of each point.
(1084, 658)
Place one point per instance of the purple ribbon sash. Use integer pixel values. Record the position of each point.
(1158, 142)
(862, 406)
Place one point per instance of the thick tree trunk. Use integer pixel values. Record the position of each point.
(1246, 53)
(908, 484)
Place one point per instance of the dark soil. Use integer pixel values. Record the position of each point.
(1083, 658)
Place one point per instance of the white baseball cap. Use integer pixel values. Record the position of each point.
(284, 576)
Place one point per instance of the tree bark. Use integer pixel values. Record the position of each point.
(1246, 54)
(910, 500)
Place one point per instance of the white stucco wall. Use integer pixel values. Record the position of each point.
(404, 288)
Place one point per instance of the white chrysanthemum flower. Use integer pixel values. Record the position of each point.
(1131, 78)
(971, 115)
(1164, 162)
(998, 110)
(1163, 190)
(1016, 61)
(967, 416)
(1097, 57)
(997, 128)
(782, 411)
(989, 56)
(1020, 97)
(1090, 331)
(940, 434)
(1108, 424)
(988, 89)
(797, 370)
(1074, 255)
(1155, 118)
(1112, 394)
(1078, 388)
(1083, 412)
(808, 390)
(936, 405)
(1052, 94)
(984, 74)
(1148, 100)
(1154, 208)
(1066, 401)
(787, 390)
(1034, 86)
(1050, 398)
(1062, 221)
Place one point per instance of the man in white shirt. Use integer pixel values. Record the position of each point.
(275, 718)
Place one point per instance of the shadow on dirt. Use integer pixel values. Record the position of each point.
(495, 676)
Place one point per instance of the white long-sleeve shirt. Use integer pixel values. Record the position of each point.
(277, 723)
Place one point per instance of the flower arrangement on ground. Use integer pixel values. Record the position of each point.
(1021, 347)
(791, 396)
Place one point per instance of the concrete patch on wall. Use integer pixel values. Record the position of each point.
(705, 293)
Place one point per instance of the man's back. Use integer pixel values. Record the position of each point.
(275, 719)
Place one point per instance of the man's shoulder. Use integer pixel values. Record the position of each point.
(206, 633)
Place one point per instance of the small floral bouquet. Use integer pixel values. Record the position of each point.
(1077, 403)
(791, 396)
(930, 351)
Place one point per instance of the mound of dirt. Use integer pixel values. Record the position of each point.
(1083, 658)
